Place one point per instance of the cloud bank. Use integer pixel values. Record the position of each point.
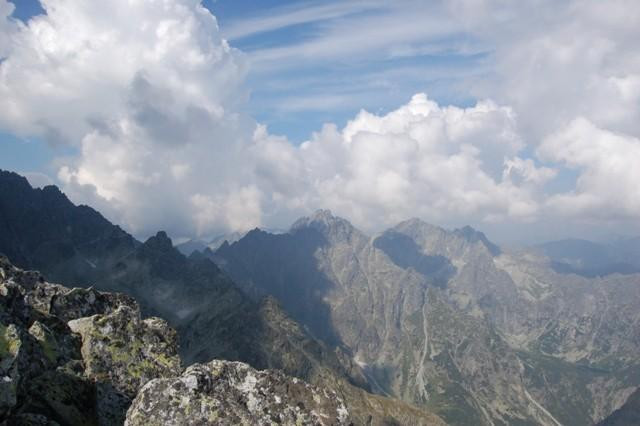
(154, 101)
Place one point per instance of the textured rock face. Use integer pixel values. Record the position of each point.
(446, 320)
(628, 414)
(74, 244)
(121, 349)
(232, 393)
(74, 369)
(59, 365)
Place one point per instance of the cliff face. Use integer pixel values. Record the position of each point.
(628, 414)
(212, 316)
(43, 230)
(83, 357)
(447, 320)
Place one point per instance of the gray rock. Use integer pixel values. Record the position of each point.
(121, 349)
(51, 374)
(232, 393)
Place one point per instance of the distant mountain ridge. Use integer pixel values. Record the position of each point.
(42, 229)
(591, 259)
(444, 320)
(198, 245)
(437, 316)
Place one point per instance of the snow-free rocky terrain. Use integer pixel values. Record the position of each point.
(84, 357)
(104, 341)
(414, 325)
(448, 321)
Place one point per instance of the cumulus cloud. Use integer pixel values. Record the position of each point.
(151, 104)
(607, 162)
(556, 61)
(155, 107)
(7, 27)
(444, 164)
(571, 71)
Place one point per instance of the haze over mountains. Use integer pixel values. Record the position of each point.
(444, 321)
(332, 212)
(42, 229)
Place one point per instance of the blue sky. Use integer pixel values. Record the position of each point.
(520, 132)
(296, 98)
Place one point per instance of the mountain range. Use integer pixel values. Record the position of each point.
(414, 325)
(41, 229)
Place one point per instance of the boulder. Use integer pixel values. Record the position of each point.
(233, 393)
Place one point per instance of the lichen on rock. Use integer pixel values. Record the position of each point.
(233, 393)
(122, 349)
(51, 374)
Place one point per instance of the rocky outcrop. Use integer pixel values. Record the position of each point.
(74, 356)
(80, 357)
(121, 349)
(232, 393)
(213, 316)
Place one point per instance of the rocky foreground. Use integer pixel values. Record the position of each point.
(84, 357)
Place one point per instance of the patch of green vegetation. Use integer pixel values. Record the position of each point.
(9, 342)
(50, 349)
(565, 386)
(451, 402)
(4, 342)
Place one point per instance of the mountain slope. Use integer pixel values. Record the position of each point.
(591, 259)
(628, 414)
(82, 357)
(446, 320)
(412, 344)
(213, 317)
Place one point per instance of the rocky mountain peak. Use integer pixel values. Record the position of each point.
(160, 245)
(417, 226)
(319, 217)
(334, 228)
(472, 235)
(164, 259)
(434, 239)
(14, 180)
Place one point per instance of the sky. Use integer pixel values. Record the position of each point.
(521, 119)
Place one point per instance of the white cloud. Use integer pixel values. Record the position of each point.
(7, 27)
(155, 107)
(556, 61)
(288, 15)
(419, 160)
(150, 103)
(157, 63)
(608, 186)
(406, 29)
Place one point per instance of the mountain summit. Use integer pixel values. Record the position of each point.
(213, 317)
(434, 316)
(331, 227)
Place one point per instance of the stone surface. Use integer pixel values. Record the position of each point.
(627, 415)
(232, 393)
(85, 374)
(448, 321)
(121, 349)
